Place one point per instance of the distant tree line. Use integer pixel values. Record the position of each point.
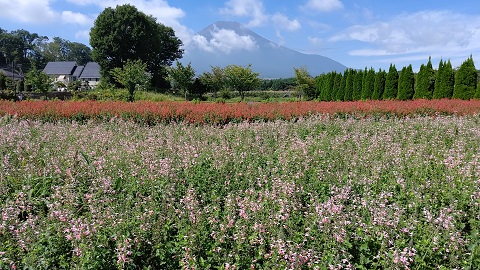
(351, 85)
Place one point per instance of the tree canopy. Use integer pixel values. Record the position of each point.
(391, 83)
(181, 77)
(241, 79)
(466, 80)
(124, 33)
(406, 83)
(425, 81)
(132, 75)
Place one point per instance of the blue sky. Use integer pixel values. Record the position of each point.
(358, 33)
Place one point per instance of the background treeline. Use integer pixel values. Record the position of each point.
(445, 82)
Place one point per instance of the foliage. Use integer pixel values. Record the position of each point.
(425, 81)
(38, 81)
(181, 77)
(391, 83)
(444, 80)
(305, 82)
(379, 85)
(20, 87)
(241, 79)
(406, 83)
(124, 33)
(465, 80)
(316, 193)
(3, 83)
(357, 85)
(133, 75)
(368, 84)
(349, 85)
(21, 48)
(214, 81)
(63, 50)
(277, 84)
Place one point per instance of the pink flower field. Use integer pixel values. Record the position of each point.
(315, 192)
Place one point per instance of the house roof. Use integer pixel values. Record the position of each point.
(91, 70)
(78, 71)
(10, 74)
(60, 68)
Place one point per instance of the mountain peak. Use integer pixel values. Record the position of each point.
(228, 42)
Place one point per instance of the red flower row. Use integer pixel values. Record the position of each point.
(221, 113)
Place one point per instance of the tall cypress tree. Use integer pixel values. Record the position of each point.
(336, 86)
(445, 80)
(349, 85)
(379, 85)
(391, 83)
(406, 83)
(357, 85)
(368, 84)
(425, 81)
(465, 80)
(340, 95)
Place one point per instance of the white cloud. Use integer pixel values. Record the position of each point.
(225, 41)
(284, 22)
(427, 32)
(28, 11)
(315, 41)
(247, 8)
(76, 18)
(323, 5)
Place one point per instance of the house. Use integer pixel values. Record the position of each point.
(69, 71)
(91, 74)
(61, 71)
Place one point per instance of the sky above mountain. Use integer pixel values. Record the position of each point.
(358, 34)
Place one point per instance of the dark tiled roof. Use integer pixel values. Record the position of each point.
(91, 70)
(10, 74)
(60, 68)
(78, 71)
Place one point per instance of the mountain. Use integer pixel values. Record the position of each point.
(224, 43)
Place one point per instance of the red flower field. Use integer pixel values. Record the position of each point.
(220, 113)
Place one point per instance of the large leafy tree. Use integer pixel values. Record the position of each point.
(445, 80)
(181, 77)
(132, 75)
(38, 81)
(241, 79)
(466, 80)
(214, 81)
(425, 81)
(124, 33)
(305, 82)
(406, 83)
(391, 83)
(22, 49)
(63, 50)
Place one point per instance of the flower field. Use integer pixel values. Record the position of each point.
(222, 113)
(316, 192)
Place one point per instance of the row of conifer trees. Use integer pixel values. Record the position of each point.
(445, 82)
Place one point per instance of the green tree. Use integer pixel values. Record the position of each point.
(20, 87)
(337, 86)
(406, 83)
(214, 81)
(38, 81)
(132, 75)
(357, 85)
(305, 82)
(241, 79)
(379, 85)
(391, 83)
(465, 80)
(63, 50)
(425, 81)
(21, 48)
(3, 83)
(124, 33)
(349, 81)
(181, 77)
(445, 80)
(368, 84)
